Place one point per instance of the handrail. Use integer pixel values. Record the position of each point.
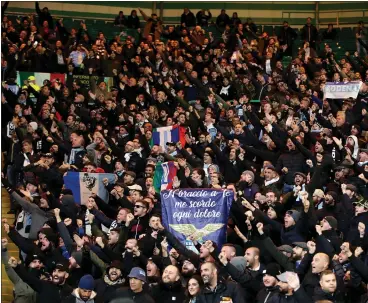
(321, 22)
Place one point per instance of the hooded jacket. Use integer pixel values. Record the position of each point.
(75, 298)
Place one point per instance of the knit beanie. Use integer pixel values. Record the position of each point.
(332, 221)
(87, 282)
(239, 262)
(272, 269)
(294, 214)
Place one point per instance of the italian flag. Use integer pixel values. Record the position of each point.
(40, 77)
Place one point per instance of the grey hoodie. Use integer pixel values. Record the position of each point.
(75, 298)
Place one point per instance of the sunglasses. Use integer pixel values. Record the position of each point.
(139, 206)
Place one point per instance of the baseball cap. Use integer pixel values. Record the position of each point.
(137, 273)
(62, 267)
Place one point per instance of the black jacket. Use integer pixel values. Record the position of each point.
(47, 291)
(223, 289)
(142, 297)
(188, 19)
(168, 293)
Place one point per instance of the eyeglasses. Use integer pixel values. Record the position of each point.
(139, 206)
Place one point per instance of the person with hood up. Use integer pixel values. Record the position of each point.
(84, 293)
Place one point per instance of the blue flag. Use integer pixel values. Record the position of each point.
(84, 184)
(202, 213)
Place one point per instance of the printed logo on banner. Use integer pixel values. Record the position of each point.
(89, 181)
(191, 230)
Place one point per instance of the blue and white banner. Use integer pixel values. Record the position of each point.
(342, 90)
(84, 184)
(201, 213)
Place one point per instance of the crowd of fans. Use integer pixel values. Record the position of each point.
(296, 162)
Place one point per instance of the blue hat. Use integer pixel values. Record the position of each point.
(87, 282)
(138, 273)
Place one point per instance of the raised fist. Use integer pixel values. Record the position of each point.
(260, 227)
(13, 262)
(99, 241)
(311, 247)
(4, 243)
(222, 258)
(57, 212)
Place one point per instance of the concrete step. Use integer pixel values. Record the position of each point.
(6, 284)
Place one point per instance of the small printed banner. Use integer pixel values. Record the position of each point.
(84, 184)
(40, 77)
(202, 213)
(84, 79)
(342, 90)
(162, 135)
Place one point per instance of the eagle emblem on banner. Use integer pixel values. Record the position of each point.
(190, 230)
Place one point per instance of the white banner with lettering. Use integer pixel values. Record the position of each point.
(342, 90)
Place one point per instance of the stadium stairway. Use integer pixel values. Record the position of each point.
(6, 284)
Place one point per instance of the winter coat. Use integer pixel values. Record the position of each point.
(141, 297)
(294, 161)
(75, 298)
(47, 291)
(223, 289)
(168, 292)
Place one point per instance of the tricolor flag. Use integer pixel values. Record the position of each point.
(162, 135)
(84, 184)
(40, 77)
(164, 176)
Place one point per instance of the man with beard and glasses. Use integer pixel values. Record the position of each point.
(170, 288)
(56, 289)
(217, 290)
(249, 278)
(84, 293)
